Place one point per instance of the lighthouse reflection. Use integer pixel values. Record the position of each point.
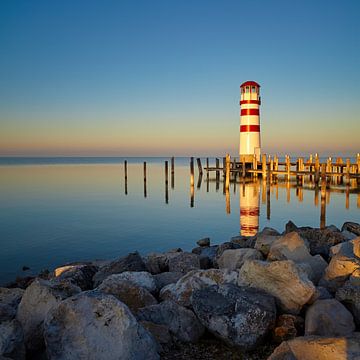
(249, 197)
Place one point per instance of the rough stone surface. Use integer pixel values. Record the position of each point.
(269, 231)
(287, 327)
(234, 258)
(161, 333)
(206, 256)
(38, 299)
(181, 322)
(355, 277)
(131, 294)
(328, 318)
(319, 348)
(156, 263)
(182, 290)
(282, 279)
(166, 278)
(93, 325)
(353, 227)
(243, 241)
(11, 340)
(349, 295)
(184, 262)
(80, 274)
(203, 242)
(130, 262)
(241, 316)
(264, 241)
(9, 302)
(321, 293)
(222, 247)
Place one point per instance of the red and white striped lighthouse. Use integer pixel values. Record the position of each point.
(249, 120)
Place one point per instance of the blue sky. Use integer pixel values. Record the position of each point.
(162, 77)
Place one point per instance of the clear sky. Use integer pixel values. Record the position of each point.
(155, 78)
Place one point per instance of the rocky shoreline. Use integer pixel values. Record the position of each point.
(294, 295)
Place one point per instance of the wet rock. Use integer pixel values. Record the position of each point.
(328, 318)
(131, 294)
(206, 256)
(241, 316)
(160, 333)
(166, 278)
(352, 227)
(319, 348)
(184, 262)
(81, 274)
(203, 242)
(9, 302)
(287, 327)
(38, 299)
(349, 295)
(130, 262)
(11, 340)
(282, 279)
(234, 258)
(93, 325)
(181, 322)
(182, 290)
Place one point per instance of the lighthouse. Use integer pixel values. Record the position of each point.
(249, 121)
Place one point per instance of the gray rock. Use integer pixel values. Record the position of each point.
(321, 293)
(269, 231)
(130, 262)
(181, 322)
(156, 263)
(131, 294)
(166, 278)
(222, 247)
(285, 280)
(319, 348)
(9, 302)
(182, 290)
(241, 316)
(234, 258)
(328, 318)
(184, 262)
(203, 242)
(244, 241)
(206, 256)
(353, 227)
(11, 340)
(161, 333)
(349, 295)
(96, 326)
(38, 299)
(79, 274)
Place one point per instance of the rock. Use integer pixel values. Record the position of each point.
(328, 318)
(319, 348)
(184, 262)
(355, 277)
(264, 241)
(290, 227)
(11, 340)
(243, 241)
(349, 248)
(287, 327)
(222, 247)
(7, 312)
(352, 227)
(348, 235)
(269, 231)
(166, 278)
(181, 322)
(9, 302)
(182, 290)
(39, 298)
(93, 325)
(203, 242)
(349, 295)
(140, 278)
(160, 332)
(234, 258)
(241, 316)
(321, 293)
(282, 279)
(206, 256)
(80, 274)
(130, 262)
(131, 294)
(156, 263)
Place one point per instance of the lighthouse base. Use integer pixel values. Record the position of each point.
(249, 158)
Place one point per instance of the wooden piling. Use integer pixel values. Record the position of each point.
(243, 167)
(166, 182)
(191, 171)
(254, 165)
(145, 192)
(126, 177)
(172, 172)
(217, 165)
(263, 166)
(317, 169)
(227, 172)
(199, 166)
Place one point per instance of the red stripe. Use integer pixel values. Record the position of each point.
(250, 212)
(249, 112)
(249, 128)
(249, 102)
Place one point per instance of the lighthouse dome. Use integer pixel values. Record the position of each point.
(249, 83)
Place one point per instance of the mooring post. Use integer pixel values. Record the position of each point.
(288, 167)
(166, 182)
(263, 166)
(243, 167)
(224, 166)
(172, 172)
(347, 171)
(199, 166)
(311, 166)
(126, 177)
(227, 172)
(145, 192)
(317, 169)
(217, 162)
(192, 190)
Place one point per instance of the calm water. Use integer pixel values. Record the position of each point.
(53, 211)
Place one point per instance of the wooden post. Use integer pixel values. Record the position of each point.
(310, 167)
(199, 166)
(297, 171)
(192, 171)
(263, 166)
(145, 192)
(243, 167)
(224, 166)
(347, 171)
(255, 165)
(217, 174)
(199, 181)
(172, 172)
(288, 167)
(207, 175)
(317, 169)
(227, 172)
(166, 182)
(126, 177)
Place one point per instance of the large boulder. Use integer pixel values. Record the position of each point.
(328, 318)
(131, 294)
(130, 262)
(156, 263)
(222, 247)
(166, 278)
(241, 316)
(265, 239)
(283, 279)
(96, 326)
(233, 259)
(181, 322)
(9, 302)
(352, 227)
(11, 340)
(79, 274)
(349, 295)
(38, 299)
(182, 290)
(184, 262)
(319, 348)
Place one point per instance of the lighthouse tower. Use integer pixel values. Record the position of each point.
(249, 120)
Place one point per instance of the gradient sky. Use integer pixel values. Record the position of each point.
(157, 78)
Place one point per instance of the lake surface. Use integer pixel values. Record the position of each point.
(58, 210)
